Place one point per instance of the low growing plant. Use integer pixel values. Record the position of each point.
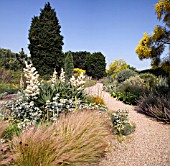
(132, 89)
(97, 100)
(155, 105)
(149, 79)
(121, 124)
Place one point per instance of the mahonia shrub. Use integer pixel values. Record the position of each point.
(77, 139)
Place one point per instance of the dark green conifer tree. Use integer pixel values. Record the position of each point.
(68, 65)
(46, 41)
(96, 65)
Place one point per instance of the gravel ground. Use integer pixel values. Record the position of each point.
(149, 145)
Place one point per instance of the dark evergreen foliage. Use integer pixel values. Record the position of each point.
(69, 66)
(12, 61)
(157, 72)
(96, 65)
(46, 41)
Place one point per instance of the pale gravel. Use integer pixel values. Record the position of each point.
(149, 145)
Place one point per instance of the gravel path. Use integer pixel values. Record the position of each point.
(149, 145)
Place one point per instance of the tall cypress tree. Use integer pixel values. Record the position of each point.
(46, 41)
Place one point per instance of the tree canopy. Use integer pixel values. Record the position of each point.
(46, 41)
(93, 63)
(152, 46)
(117, 66)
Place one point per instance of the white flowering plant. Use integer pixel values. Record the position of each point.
(45, 101)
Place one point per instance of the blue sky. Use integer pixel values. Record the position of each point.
(113, 27)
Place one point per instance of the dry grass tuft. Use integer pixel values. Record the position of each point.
(3, 126)
(76, 139)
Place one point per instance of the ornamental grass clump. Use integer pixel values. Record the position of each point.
(76, 139)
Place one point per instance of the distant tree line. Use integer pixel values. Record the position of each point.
(12, 61)
(46, 51)
(93, 63)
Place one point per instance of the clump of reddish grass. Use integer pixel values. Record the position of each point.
(76, 139)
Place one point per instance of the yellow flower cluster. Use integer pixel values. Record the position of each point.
(158, 32)
(167, 5)
(143, 49)
(78, 71)
(161, 7)
(117, 66)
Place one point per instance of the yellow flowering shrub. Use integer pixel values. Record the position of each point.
(78, 71)
(117, 66)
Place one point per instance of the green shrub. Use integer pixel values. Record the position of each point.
(77, 139)
(121, 124)
(124, 75)
(111, 86)
(68, 65)
(162, 85)
(149, 79)
(11, 131)
(9, 88)
(97, 100)
(90, 83)
(5, 76)
(126, 97)
(157, 72)
(132, 89)
(155, 105)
